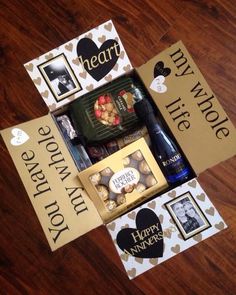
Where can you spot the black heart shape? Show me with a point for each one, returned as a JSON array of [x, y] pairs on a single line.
[[159, 69], [108, 54], [133, 240]]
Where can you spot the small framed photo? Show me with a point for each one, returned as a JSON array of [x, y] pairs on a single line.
[[59, 77], [187, 215]]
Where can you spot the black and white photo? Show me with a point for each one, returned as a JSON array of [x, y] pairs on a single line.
[[59, 77], [187, 215]]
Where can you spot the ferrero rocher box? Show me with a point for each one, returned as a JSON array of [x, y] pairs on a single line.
[[123, 180], [67, 204]]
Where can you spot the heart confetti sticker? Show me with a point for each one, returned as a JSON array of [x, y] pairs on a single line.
[[19, 137], [158, 85]]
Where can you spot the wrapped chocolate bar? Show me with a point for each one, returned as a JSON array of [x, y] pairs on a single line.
[[106, 113], [77, 151], [123, 180]]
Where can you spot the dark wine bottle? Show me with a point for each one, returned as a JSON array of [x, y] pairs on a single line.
[[165, 150]]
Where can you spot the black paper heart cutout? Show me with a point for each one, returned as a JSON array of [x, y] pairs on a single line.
[[107, 56], [160, 70], [148, 247]]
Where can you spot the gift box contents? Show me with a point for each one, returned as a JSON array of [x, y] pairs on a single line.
[[123, 180], [118, 116]]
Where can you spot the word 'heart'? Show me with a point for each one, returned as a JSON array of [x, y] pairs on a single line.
[[98, 62], [158, 85], [19, 136], [145, 241]]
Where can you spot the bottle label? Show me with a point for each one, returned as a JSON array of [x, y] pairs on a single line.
[[172, 160], [175, 168]]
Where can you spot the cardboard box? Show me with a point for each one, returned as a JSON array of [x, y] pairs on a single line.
[[190, 109]]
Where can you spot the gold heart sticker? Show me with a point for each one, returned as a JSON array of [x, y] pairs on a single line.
[[176, 249], [102, 38], [115, 68], [198, 237], [83, 75], [69, 47], [45, 94], [132, 215], [90, 87], [122, 54], [124, 256], [76, 61], [89, 35], [192, 183], [152, 205], [111, 226], [201, 197], [132, 272], [172, 194], [167, 234], [161, 218], [125, 226], [220, 225], [72, 97], [210, 211], [127, 68], [52, 107], [29, 67], [48, 56], [153, 261], [108, 78], [37, 81], [139, 260], [108, 27]]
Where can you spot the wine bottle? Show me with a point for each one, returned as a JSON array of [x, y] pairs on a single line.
[[165, 150]]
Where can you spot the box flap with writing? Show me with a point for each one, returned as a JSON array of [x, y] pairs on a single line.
[[79, 66], [50, 179], [191, 110]]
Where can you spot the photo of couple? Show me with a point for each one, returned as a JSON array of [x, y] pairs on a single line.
[[188, 216], [60, 77]]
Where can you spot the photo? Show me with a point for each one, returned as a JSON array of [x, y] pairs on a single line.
[[59, 77], [187, 215]]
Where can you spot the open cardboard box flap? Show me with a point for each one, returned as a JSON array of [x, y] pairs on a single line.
[[50, 178], [188, 105]]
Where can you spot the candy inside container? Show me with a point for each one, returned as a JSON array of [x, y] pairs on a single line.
[[114, 188], [105, 111]]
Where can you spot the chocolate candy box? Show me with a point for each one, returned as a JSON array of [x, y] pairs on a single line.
[[106, 113], [123, 180]]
